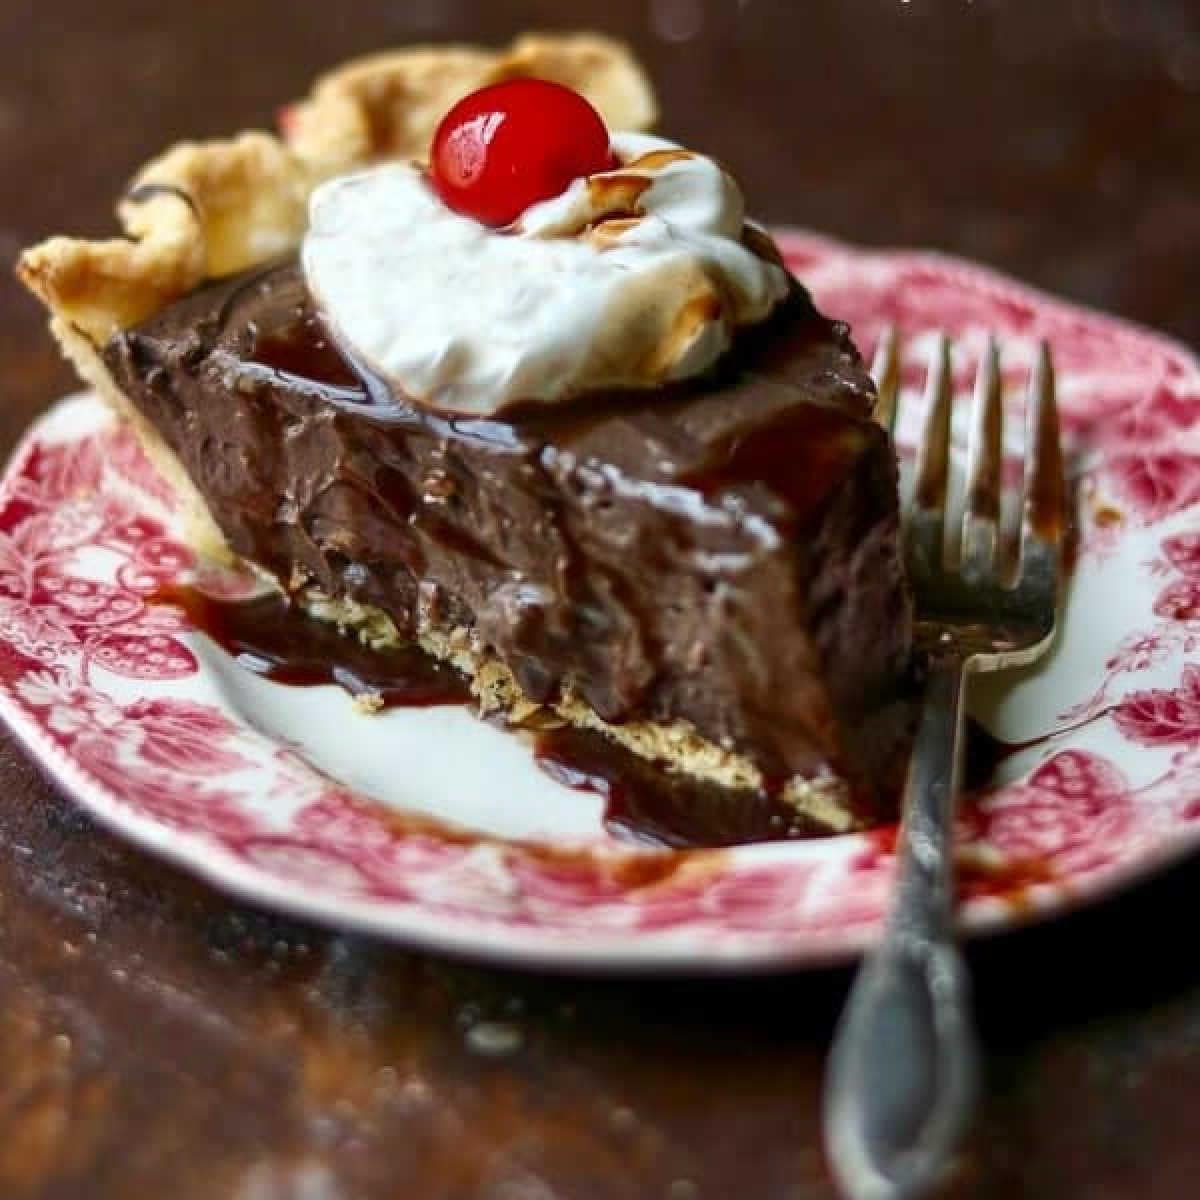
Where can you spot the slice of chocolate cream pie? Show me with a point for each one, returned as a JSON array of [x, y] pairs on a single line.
[[464, 368]]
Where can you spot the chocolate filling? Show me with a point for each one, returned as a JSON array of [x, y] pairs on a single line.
[[723, 551]]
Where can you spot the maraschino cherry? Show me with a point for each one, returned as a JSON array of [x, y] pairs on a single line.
[[509, 145]]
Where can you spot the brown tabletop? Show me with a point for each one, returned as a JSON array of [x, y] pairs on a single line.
[[159, 1039]]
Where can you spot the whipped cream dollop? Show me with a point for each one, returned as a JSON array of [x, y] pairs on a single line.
[[630, 278]]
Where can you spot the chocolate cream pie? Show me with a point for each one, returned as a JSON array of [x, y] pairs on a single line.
[[559, 416]]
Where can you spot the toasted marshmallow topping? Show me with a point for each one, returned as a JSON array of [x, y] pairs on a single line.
[[629, 279]]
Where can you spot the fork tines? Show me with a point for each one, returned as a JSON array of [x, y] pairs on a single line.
[[928, 517], [1044, 504], [981, 513], [885, 370], [1045, 484]]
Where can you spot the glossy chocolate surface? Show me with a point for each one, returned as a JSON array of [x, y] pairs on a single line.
[[723, 552], [271, 637]]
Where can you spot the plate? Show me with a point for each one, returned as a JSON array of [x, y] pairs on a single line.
[[427, 826]]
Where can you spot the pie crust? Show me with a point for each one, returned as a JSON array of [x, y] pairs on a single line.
[[207, 209]]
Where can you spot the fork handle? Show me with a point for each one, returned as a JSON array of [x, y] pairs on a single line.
[[903, 1073]]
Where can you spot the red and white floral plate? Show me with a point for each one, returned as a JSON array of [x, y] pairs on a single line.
[[435, 829]]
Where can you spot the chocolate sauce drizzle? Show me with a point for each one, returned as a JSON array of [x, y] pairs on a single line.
[[271, 637], [644, 804]]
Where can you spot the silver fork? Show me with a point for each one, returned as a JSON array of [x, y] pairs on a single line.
[[903, 1073]]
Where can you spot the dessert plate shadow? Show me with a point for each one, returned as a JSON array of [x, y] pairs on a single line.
[[429, 827]]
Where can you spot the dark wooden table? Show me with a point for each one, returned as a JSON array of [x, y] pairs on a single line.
[[158, 1039]]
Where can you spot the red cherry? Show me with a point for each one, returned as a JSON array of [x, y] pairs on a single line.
[[507, 146]]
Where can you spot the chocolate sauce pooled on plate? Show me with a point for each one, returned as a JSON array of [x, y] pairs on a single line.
[[646, 804], [271, 637]]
